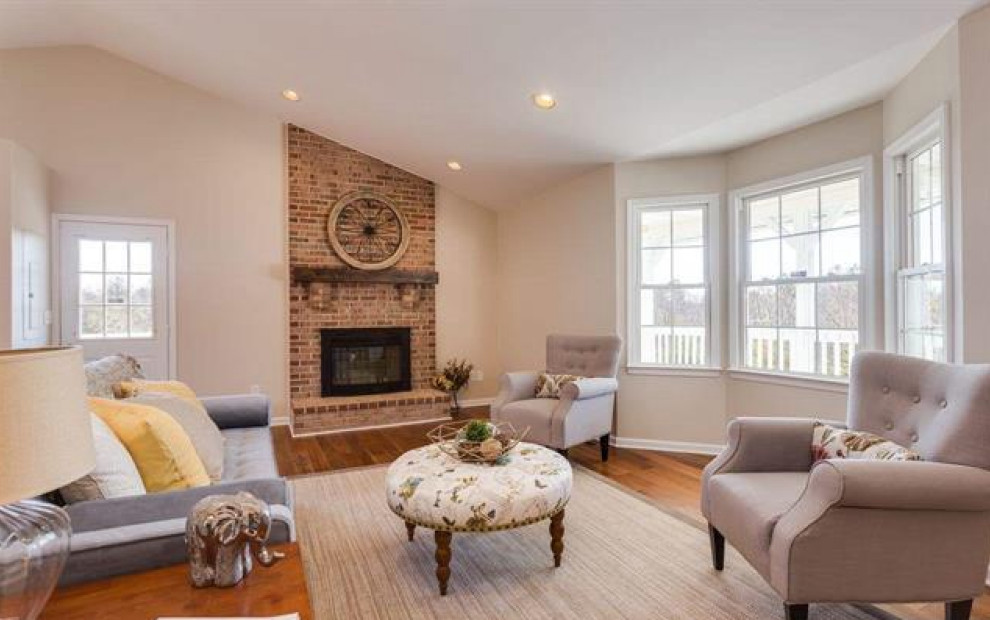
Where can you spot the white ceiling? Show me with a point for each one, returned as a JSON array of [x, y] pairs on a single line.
[[417, 83]]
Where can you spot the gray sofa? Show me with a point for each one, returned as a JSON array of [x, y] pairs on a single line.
[[129, 534]]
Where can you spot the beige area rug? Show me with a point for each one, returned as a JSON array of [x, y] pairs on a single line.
[[623, 558]]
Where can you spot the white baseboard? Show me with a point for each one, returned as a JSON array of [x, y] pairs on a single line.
[[279, 421], [478, 402], [661, 445]]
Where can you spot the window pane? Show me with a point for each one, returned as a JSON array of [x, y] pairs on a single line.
[[840, 252], [655, 228], [654, 345], [922, 172], [764, 218], [761, 348], [654, 308], [689, 265], [799, 211], [835, 351], [141, 322], [91, 322], [116, 256], [688, 307], [140, 257], [921, 238], [934, 300], [688, 346], [797, 305], [914, 301], [116, 289], [800, 256], [797, 350], [840, 204], [689, 227], [90, 288], [914, 344], [937, 173], [764, 260], [90, 255], [761, 306], [116, 321], [140, 289], [938, 215], [656, 266], [838, 305], [936, 347]]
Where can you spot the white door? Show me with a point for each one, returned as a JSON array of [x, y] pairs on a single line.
[[114, 291]]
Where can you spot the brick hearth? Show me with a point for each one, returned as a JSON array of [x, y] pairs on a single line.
[[320, 171]]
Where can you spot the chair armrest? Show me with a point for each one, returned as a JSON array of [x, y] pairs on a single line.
[[765, 444], [513, 386], [239, 411], [589, 388]]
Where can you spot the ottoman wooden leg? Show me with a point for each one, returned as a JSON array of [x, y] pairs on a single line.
[[443, 558], [410, 530], [557, 537]]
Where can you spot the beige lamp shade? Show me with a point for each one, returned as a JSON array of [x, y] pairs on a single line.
[[46, 440]]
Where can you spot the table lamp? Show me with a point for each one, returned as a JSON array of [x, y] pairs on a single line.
[[46, 442]]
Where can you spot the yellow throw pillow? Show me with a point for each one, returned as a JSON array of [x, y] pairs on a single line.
[[161, 449], [136, 387]]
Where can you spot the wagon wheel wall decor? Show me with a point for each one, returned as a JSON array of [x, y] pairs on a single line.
[[367, 231]]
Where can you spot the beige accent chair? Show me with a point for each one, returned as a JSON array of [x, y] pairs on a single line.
[[585, 408], [858, 530]]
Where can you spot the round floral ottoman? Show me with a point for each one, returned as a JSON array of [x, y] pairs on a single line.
[[432, 489]]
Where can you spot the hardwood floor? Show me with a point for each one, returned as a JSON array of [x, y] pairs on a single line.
[[671, 480]]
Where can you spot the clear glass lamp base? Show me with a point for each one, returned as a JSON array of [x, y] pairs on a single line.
[[34, 544]]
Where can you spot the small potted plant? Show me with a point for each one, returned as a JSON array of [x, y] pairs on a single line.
[[452, 379]]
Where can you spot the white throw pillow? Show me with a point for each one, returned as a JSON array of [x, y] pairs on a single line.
[[192, 417], [115, 474]]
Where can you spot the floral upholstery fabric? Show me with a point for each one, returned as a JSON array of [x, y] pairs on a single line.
[[430, 488], [548, 385], [828, 442]]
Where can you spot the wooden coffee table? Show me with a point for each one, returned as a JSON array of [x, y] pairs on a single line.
[[280, 589], [429, 488]]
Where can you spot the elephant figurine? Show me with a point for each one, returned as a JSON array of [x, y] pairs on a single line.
[[223, 532]]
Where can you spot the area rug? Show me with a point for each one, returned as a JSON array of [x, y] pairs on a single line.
[[624, 558]]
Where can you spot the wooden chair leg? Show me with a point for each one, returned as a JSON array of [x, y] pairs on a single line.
[[562, 452], [958, 610], [795, 612], [603, 441], [718, 547]]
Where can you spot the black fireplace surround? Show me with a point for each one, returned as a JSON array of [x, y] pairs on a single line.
[[373, 360]]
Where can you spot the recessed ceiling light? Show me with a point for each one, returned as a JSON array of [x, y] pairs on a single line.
[[291, 95], [544, 101], [454, 165]]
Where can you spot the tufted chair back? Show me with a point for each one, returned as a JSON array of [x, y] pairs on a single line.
[[585, 356], [942, 411]]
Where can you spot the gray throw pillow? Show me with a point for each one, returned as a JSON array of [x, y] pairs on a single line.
[[192, 417]]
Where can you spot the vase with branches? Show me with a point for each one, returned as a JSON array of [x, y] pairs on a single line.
[[452, 379]]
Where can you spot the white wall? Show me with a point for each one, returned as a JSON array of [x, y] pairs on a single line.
[[466, 255], [121, 140]]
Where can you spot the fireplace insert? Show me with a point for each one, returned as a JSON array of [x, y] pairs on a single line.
[[372, 360]]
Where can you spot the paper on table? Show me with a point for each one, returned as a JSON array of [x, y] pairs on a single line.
[[293, 616]]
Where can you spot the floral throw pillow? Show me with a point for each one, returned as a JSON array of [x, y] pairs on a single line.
[[829, 442], [548, 385]]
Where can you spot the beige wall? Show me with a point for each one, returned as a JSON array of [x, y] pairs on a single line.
[[974, 70], [6, 251], [124, 141], [556, 268], [466, 255]]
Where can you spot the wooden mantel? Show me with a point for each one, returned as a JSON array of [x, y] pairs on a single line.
[[309, 275]]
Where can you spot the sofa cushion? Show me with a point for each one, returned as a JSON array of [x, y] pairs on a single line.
[[115, 474], [103, 374], [205, 436], [745, 507], [248, 454], [535, 413], [161, 449]]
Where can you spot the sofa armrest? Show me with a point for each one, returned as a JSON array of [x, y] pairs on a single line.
[[765, 444], [239, 411], [121, 511], [513, 386], [583, 389]]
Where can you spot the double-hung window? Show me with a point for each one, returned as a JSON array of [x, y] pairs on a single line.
[[671, 303], [800, 284], [918, 242]]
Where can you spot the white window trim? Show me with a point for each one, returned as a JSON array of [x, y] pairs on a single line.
[[712, 205], [863, 166], [934, 126]]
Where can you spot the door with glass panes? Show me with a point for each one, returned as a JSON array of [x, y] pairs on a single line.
[[114, 291]]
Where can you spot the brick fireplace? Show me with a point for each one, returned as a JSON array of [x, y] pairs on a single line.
[[327, 296]]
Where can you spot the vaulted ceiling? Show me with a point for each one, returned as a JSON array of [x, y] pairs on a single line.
[[419, 83]]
